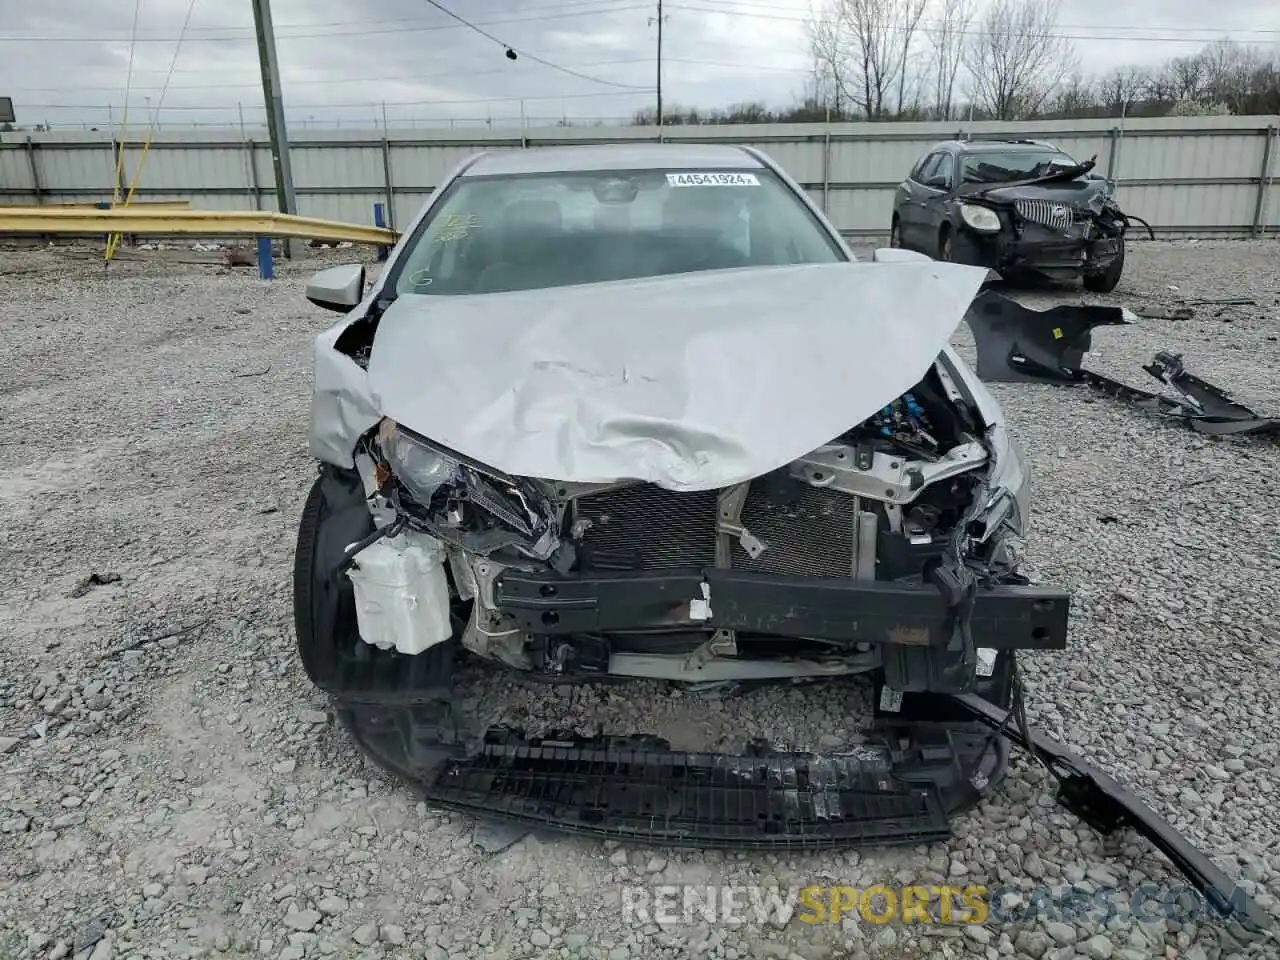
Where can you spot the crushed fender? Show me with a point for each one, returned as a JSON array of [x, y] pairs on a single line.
[[1017, 344]]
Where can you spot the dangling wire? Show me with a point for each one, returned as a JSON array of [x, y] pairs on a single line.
[[113, 242], [124, 116]]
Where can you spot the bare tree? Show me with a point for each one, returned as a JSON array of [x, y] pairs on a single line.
[[946, 38], [1122, 88], [830, 55], [1076, 96], [862, 48], [1016, 58], [1187, 77], [908, 16]]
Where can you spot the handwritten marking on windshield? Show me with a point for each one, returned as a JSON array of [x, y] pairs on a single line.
[[457, 226]]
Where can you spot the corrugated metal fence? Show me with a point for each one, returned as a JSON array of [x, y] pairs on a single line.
[[1193, 176]]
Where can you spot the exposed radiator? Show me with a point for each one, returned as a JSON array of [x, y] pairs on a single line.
[[807, 531], [1047, 213]]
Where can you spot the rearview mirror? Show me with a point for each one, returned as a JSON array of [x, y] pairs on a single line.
[[338, 288]]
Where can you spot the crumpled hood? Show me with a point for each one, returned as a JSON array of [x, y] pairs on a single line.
[[691, 382], [1078, 193]]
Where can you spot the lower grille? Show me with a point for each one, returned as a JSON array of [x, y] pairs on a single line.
[[1047, 213], [807, 531]]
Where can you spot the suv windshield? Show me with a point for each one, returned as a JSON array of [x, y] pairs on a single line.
[[1014, 165], [501, 233]]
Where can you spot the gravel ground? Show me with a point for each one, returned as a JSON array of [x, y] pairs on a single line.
[[171, 785]]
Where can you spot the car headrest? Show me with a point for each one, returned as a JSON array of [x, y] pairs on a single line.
[[544, 214]]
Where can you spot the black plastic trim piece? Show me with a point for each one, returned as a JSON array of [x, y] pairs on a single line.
[[1004, 617], [1097, 799]]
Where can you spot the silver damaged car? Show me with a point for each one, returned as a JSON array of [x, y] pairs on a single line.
[[636, 411]]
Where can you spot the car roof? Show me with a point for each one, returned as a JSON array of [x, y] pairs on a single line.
[[614, 156], [988, 146]]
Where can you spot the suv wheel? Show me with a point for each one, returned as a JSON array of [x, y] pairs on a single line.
[[946, 245], [1106, 280]]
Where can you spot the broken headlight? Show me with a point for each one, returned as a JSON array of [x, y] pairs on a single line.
[[419, 468], [1010, 484], [982, 219], [478, 509]]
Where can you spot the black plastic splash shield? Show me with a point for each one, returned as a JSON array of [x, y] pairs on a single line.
[[900, 790], [1017, 344]]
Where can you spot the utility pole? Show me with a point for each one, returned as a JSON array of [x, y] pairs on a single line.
[[659, 70], [286, 201], [659, 22]]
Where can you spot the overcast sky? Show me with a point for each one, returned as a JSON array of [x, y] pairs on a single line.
[[65, 61]]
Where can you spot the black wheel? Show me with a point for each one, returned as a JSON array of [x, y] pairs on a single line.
[[1106, 280], [895, 232], [324, 618], [946, 244]]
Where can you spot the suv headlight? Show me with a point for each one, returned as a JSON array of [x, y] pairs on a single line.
[[982, 219]]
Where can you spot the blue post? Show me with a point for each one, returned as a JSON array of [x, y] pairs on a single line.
[[105, 205], [266, 267], [380, 220]]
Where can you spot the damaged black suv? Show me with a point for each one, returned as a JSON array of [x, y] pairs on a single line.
[[1020, 207]]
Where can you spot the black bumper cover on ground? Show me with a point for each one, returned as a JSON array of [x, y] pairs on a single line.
[[902, 787]]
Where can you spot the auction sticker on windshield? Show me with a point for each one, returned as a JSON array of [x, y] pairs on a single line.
[[712, 180]]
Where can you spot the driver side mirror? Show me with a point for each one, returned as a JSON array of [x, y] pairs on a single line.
[[338, 288], [939, 182]]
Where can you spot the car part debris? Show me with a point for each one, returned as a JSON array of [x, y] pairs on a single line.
[[1106, 806], [92, 580], [1017, 344]]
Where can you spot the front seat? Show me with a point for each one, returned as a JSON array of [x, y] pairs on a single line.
[[695, 225], [528, 239]]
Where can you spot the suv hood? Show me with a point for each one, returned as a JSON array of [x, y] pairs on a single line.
[[692, 382], [1075, 192]]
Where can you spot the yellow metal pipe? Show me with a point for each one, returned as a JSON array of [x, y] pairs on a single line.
[[144, 204], [202, 223], [113, 241]]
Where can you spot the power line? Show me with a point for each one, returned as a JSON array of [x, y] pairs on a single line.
[[229, 37], [730, 12], [764, 5], [512, 52], [377, 78], [364, 105], [442, 75]]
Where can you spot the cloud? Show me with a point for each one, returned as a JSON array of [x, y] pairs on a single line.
[[66, 61]]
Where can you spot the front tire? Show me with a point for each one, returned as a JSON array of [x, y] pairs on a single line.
[[946, 244], [1106, 280]]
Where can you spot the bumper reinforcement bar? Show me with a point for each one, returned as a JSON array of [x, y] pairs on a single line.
[[1004, 617]]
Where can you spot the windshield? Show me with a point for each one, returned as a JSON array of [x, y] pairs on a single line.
[[500, 233], [1014, 165]]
